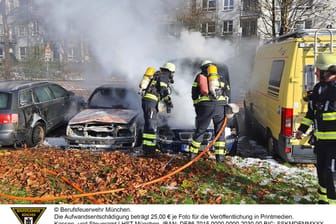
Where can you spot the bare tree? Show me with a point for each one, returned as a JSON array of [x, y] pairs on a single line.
[[279, 17], [6, 41], [192, 14]]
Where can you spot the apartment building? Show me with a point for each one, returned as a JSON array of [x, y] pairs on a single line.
[[26, 36], [218, 18], [259, 18]]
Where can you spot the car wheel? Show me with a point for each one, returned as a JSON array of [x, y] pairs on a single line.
[[36, 135]]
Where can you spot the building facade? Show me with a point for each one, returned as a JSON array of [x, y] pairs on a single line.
[[28, 37], [25, 35]]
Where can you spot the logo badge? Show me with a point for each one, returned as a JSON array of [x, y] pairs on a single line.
[[28, 215]]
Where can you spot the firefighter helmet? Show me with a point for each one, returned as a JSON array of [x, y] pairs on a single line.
[[206, 63], [169, 66], [150, 71], [324, 61]]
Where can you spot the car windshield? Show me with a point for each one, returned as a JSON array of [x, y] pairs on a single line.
[[4, 100], [115, 98]]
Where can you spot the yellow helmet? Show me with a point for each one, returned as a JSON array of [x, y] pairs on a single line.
[[169, 66], [150, 71], [324, 61], [212, 69]]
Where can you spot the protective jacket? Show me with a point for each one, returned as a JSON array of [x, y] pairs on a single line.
[[322, 115], [322, 111], [200, 91], [157, 89]]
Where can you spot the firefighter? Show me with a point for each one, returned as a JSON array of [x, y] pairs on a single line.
[[321, 115], [209, 103], [158, 90]]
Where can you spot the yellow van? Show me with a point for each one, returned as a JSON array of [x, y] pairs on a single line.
[[274, 103]]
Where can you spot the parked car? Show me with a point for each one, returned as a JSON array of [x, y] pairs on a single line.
[[113, 119], [29, 110]]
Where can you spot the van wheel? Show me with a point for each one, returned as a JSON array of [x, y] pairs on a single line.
[[36, 135], [270, 145]]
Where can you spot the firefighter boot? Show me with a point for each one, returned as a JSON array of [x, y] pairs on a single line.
[[220, 158], [192, 155], [323, 199]]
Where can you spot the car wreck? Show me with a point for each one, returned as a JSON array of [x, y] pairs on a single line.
[[113, 119]]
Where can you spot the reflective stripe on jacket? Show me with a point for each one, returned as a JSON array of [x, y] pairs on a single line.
[[322, 111], [200, 91]]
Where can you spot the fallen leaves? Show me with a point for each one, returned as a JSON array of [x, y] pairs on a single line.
[[23, 173]]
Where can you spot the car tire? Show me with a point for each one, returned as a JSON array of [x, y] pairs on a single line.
[[36, 135]]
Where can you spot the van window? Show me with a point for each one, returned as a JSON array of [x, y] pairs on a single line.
[[4, 100], [58, 91], [309, 77], [25, 97], [276, 73], [43, 94]]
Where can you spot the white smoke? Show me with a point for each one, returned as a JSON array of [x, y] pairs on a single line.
[[125, 37]]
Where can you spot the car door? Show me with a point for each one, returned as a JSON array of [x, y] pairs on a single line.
[[65, 97], [50, 109], [26, 108]]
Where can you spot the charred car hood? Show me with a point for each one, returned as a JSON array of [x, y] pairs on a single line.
[[121, 116]]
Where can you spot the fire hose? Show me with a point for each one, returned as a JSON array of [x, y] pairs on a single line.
[[132, 187]]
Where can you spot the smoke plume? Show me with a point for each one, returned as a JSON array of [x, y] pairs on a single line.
[[126, 37]]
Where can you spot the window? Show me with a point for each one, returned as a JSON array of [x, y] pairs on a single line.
[[25, 97], [36, 28], [58, 91], [4, 100], [208, 28], [308, 24], [71, 54], [249, 5], [275, 77], [228, 4], [309, 77], [22, 30], [43, 94], [227, 26], [23, 52], [209, 5], [249, 28], [193, 6]]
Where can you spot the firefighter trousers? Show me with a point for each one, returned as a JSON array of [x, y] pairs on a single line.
[[149, 137], [326, 166], [205, 113]]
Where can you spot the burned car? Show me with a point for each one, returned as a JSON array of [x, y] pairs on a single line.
[[29, 110], [113, 119]]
